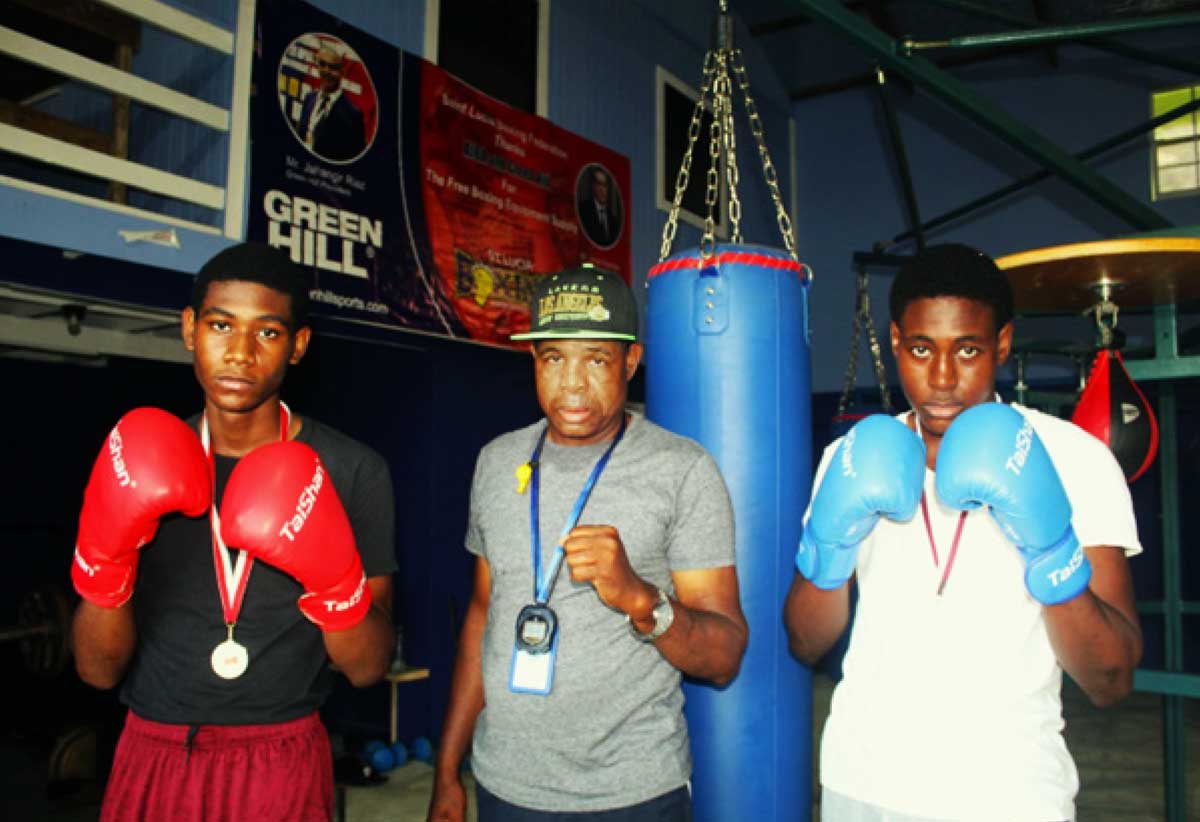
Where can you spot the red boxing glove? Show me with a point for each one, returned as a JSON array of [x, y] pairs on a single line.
[[281, 507], [152, 464]]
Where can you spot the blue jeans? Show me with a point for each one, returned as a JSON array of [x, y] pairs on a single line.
[[675, 806]]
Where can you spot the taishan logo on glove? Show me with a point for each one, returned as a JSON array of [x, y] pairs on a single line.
[[848, 455], [1021, 449], [116, 447], [339, 605], [1061, 575], [304, 505]]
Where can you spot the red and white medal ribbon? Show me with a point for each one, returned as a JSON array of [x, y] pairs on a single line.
[[962, 520], [230, 658]]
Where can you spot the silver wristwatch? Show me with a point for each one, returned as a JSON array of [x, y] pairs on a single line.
[[663, 614]]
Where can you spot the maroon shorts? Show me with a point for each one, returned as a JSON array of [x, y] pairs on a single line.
[[224, 773]]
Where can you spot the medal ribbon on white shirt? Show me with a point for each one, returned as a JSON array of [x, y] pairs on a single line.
[[962, 520], [230, 658]]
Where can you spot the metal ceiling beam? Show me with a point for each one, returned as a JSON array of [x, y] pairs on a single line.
[[956, 60], [967, 58], [1103, 44], [1054, 34], [961, 98], [1038, 176], [898, 151], [23, 333]]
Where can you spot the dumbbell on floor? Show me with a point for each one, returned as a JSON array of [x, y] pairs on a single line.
[[42, 631]]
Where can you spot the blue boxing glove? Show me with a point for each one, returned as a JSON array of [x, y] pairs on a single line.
[[877, 470], [990, 455]]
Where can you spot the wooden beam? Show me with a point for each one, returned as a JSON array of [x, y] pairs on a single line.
[[39, 122], [94, 73], [101, 20]]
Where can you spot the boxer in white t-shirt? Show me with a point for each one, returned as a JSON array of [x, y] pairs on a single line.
[[988, 543]]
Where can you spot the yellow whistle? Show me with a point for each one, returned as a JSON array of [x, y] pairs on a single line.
[[524, 472]]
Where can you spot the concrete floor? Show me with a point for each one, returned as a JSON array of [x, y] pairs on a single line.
[[404, 797], [1119, 753]]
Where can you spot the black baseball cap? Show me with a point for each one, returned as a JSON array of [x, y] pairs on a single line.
[[584, 303]]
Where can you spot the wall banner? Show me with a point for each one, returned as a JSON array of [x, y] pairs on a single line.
[[416, 200]]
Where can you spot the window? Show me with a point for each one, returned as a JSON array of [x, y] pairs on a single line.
[[498, 47], [676, 102], [1175, 160]]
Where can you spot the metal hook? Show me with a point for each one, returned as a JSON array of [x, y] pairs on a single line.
[[74, 315]]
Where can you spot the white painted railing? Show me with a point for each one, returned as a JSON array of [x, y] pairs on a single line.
[[231, 123]]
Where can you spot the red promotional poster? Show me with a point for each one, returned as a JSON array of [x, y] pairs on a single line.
[[508, 198], [413, 199]]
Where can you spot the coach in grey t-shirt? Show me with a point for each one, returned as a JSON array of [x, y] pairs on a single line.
[[647, 591]]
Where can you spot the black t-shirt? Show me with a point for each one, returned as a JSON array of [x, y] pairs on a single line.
[[179, 617]]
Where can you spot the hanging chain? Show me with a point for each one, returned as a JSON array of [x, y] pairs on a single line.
[[716, 140], [716, 94], [685, 169], [885, 396], [864, 321], [1105, 314], [756, 128], [851, 374], [723, 94]]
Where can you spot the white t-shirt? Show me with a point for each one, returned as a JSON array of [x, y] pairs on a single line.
[[950, 706]]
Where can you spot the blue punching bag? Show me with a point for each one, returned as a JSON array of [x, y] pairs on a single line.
[[727, 364]]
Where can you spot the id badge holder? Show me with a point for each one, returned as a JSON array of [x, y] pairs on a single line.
[[532, 673]]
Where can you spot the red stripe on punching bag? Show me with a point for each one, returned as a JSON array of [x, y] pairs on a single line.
[[729, 258]]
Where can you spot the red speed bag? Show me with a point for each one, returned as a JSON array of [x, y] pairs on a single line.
[[1114, 410]]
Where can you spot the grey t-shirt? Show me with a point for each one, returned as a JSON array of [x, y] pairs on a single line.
[[611, 733]]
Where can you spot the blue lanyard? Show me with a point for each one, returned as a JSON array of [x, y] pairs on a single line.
[[543, 586]]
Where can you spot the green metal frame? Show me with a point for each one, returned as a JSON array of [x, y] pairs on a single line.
[[1055, 34], [1111, 46], [1043, 174], [901, 155], [1172, 683], [961, 98], [1167, 365]]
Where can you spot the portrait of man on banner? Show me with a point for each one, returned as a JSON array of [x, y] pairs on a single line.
[[598, 200], [327, 98]]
